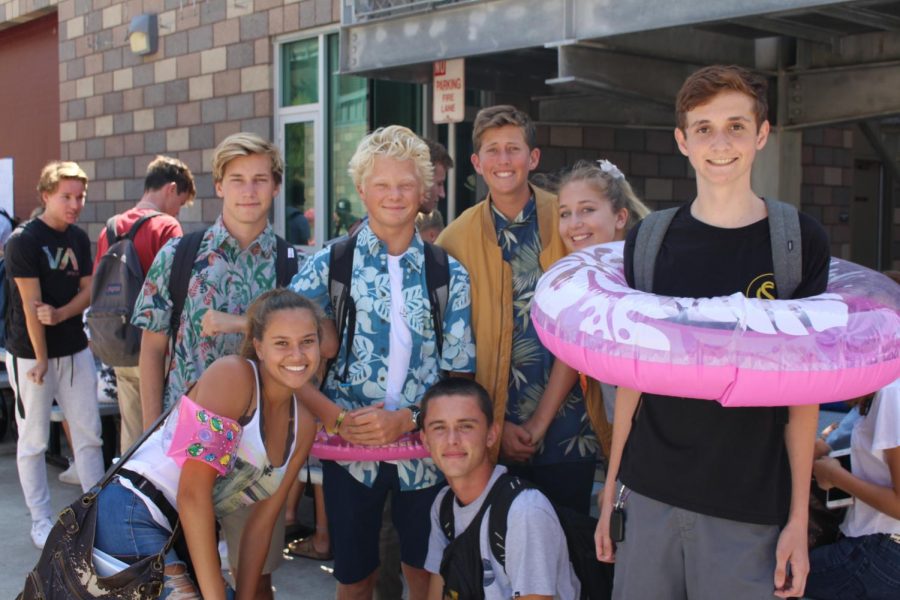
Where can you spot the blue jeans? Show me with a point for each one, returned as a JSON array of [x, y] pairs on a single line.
[[861, 567], [126, 529]]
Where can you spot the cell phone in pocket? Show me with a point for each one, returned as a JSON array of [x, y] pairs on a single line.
[[836, 497], [617, 524]]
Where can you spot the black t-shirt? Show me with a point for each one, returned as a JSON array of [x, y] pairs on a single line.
[[695, 454], [58, 259]]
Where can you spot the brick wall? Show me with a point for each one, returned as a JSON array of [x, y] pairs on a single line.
[[212, 76], [827, 187], [656, 170], [662, 177]]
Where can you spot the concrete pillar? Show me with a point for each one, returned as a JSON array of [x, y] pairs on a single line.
[[778, 170]]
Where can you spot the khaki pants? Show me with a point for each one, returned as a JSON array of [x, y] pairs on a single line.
[[128, 385]]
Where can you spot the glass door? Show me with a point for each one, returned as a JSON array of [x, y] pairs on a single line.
[[302, 184]]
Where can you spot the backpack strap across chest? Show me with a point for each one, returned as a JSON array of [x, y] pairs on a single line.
[[340, 274], [112, 237], [504, 491], [183, 268], [462, 565], [784, 232]]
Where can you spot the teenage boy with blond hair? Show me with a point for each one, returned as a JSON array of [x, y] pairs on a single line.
[[715, 499], [372, 391], [506, 242], [48, 267], [235, 262]]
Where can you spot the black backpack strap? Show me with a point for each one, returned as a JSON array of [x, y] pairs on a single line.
[[650, 236], [111, 225], [437, 280], [12, 220], [445, 515], [180, 277], [508, 488], [111, 236], [503, 486], [340, 271], [285, 262], [137, 224], [787, 252]]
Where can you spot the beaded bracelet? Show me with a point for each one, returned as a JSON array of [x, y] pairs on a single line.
[[338, 421]]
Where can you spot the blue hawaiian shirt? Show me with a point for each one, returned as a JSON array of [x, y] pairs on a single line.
[[370, 289], [570, 436]]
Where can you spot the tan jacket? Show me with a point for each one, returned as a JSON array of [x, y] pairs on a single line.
[[472, 240]]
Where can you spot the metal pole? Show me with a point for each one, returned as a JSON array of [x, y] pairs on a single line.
[[451, 177]]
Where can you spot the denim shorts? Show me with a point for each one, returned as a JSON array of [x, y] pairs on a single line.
[[125, 528], [855, 567]]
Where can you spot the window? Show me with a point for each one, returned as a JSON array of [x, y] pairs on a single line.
[[321, 117]]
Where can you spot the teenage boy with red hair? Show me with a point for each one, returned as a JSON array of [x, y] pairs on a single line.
[[715, 499]]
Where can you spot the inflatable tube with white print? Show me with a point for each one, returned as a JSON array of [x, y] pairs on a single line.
[[739, 351]]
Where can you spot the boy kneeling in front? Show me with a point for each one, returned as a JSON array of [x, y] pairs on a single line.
[[458, 427]]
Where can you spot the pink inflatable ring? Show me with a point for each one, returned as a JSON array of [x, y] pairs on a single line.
[[739, 351], [334, 447]]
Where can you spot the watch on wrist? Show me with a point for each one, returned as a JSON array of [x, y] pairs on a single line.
[[416, 417]]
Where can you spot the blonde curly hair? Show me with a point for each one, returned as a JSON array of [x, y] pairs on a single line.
[[396, 142]]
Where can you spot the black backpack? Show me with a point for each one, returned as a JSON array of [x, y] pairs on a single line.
[[183, 267], [4, 301], [116, 285], [4, 284], [461, 565], [784, 231], [340, 272], [13, 221]]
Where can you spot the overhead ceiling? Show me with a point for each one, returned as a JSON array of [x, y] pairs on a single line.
[[622, 62]]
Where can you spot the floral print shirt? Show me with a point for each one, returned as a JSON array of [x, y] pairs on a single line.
[[225, 278], [371, 292], [570, 436]]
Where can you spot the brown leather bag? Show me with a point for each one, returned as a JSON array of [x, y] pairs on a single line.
[[65, 570]]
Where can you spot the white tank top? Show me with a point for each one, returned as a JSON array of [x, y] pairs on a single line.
[[253, 477]]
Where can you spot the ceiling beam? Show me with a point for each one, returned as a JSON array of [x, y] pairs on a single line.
[[863, 16], [837, 95], [473, 28], [621, 75], [790, 29]]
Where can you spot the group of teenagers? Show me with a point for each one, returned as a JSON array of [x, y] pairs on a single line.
[[714, 500]]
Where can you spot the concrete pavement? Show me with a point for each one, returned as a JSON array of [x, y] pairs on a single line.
[[300, 579]]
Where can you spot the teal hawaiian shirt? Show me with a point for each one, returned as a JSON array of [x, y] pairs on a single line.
[[370, 289], [225, 278], [570, 436]]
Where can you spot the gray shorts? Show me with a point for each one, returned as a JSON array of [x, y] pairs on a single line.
[[677, 554], [233, 526]]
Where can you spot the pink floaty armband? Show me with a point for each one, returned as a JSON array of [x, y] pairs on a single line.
[[200, 434], [740, 351], [334, 447]]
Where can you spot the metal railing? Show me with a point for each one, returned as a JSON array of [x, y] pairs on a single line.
[[360, 11]]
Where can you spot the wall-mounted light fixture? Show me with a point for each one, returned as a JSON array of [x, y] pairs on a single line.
[[143, 34]]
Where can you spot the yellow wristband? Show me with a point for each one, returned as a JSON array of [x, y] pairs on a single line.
[[338, 421]]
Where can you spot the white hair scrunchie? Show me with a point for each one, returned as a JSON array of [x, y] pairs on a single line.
[[608, 167]]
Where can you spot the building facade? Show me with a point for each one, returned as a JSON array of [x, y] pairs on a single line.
[[315, 75]]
